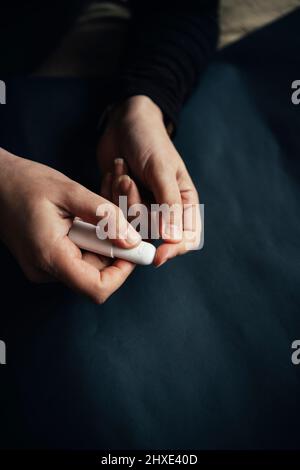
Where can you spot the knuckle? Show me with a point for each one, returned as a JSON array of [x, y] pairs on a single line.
[[99, 298], [73, 189], [99, 293], [166, 170]]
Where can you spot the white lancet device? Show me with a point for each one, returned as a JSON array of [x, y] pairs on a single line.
[[84, 235]]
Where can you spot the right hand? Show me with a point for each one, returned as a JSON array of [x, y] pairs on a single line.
[[37, 207]]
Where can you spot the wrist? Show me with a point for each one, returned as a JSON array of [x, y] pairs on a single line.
[[134, 108], [142, 104]]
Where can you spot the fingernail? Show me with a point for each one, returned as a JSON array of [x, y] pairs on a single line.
[[161, 263], [133, 237], [173, 231], [124, 183], [119, 161]]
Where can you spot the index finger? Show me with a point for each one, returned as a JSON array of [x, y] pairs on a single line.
[[70, 268], [192, 229]]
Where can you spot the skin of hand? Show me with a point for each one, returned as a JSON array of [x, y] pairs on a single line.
[[37, 207], [118, 183], [136, 131]]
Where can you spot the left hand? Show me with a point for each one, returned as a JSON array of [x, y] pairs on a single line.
[[136, 132]]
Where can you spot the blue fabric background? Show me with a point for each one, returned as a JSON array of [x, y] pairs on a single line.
[[196, 354]]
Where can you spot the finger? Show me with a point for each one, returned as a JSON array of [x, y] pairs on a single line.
[[128, 187], [98, 261], [70, 268], [167, 251], [125, 186], [106, 186], [113, 276], [120, 167], [136, 212], [167, 193], [117, 187], [192, 230], [192, 222], [188, 192], [93, 208]]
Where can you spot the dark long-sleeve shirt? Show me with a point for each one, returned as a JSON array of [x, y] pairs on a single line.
[[170, 44]]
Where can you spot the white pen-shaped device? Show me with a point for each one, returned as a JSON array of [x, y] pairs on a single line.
[[84, 235]]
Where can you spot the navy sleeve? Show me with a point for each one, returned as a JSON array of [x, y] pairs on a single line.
[[170, 43]]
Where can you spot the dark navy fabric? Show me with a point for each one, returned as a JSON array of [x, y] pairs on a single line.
[[196, 354]]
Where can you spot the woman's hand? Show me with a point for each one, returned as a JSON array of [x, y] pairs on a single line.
[[136, 131], [37, 207]]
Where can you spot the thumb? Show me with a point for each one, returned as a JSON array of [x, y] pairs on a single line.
[[95, 209], [167, 194]]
